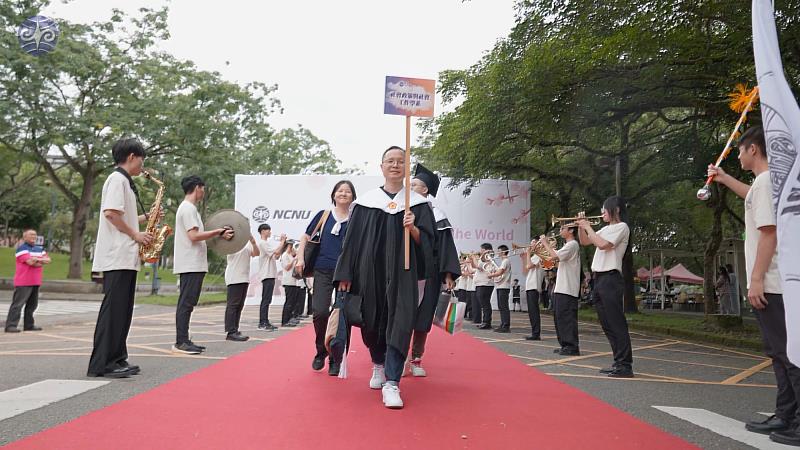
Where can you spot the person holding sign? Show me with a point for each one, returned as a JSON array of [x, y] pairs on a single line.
[[372, 266]]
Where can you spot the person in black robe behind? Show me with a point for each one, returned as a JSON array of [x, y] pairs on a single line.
[[371, 265], [426, 183]]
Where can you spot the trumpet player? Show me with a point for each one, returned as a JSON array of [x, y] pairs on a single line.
[[117, 256], [567, 290], [483, 286], [502, 279], [473, 306], [611, 242], [532, 268], [269, 253]]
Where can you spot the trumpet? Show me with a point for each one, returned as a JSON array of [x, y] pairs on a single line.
[[571, 222]]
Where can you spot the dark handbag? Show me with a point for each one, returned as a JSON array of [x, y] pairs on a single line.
[[311, 251], [352, 308]]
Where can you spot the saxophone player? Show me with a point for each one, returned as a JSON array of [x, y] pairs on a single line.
[[116, 255]]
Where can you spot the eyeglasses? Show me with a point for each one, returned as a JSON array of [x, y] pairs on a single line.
[[394, 162]]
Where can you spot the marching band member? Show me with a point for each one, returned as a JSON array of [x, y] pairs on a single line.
[[532, 268], [611, 242], [267, 271], [290, 289], [237, 279], [567, 290], [502, 279], [483, 286]]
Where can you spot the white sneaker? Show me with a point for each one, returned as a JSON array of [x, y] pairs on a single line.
[[391, 396], [417, 370], [407, 368], [378, 377]]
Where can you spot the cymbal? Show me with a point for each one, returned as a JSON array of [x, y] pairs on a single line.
[[236, 221]]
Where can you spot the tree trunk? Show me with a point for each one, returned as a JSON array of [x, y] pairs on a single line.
[[712, 247], [80, 214]]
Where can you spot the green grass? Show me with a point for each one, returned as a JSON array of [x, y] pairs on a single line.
[[58, 269], [693, 328], [211, 298]]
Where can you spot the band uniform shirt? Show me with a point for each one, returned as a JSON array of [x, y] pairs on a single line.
[[568, 276], [469, 284], [286, 278], [26, 275], [189, 256], [504, 280], [238, 269], [460, 283], [267, 264], [605, 260], [116, 250], [330, 245], [481, 277], [759, 211], [533, 281]]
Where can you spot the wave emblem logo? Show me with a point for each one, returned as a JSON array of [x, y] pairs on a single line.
[[38, 35], [261, 214]]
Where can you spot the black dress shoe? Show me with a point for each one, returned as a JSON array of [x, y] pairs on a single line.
[[237, 337], [533, 338], [608, 370], [318, 363], [12, 330], [502, 330], [288, 324], [33, 328], [768, 425], [119, 372], [133, 368], [333, 369], [621, 372], [485, 326], [556, 350], [790, 436], [566, 352]]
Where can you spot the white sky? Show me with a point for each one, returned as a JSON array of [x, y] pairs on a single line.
[[329, 58]]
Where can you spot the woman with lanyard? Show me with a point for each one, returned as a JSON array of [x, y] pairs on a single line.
[[611, 242], [331, 235]]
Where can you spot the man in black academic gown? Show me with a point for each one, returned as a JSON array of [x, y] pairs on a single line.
[[371, 265], [426, 183]]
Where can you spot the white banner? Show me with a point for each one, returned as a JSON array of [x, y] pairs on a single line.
[[781, 117], [497, 212]]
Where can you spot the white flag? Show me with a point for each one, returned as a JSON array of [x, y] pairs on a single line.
[[781, 117]]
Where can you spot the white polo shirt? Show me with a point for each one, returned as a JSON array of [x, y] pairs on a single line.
[[504, 280], [238, 268], [568, 276], [481, 277], [286, 278], [533, 281], [605, 260], [759, 211], [189, 256], [267, 264], [114, 249], [469, 284]]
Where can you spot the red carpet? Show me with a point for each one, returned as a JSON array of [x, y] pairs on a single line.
[[475, 397]]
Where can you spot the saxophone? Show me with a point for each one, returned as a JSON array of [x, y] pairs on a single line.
[[152, 253]]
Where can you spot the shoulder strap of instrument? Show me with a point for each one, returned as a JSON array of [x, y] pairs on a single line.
[[133, 187]]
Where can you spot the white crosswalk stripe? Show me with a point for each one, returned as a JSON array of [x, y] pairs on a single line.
[[722, 425], [25, 398], [61, 307]]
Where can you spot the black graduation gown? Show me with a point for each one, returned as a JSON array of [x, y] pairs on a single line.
[[373, 258], [446, 262]]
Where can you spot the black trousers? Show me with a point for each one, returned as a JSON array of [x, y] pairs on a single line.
[[772, 321], [237, 293], [565, 312], [484, 295], [472, 299], [502, 305], [113, 321], [532, 298], [608, 302], [27, 296], [267, 288], [191, 284], [300, 301], [321, 307], [289, 304]]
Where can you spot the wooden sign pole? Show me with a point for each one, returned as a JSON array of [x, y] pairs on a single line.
[[407, 234]]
